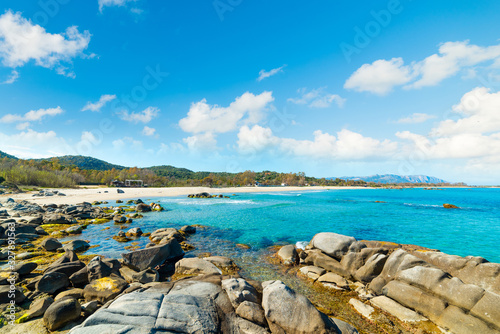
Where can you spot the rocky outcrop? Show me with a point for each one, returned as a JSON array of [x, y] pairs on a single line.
[[61, 312], [153, 256]]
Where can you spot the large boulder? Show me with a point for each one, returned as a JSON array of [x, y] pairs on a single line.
[[371, 269], [252, 312], [25, 268], [51, 244], [145, 276], [52, 282], [61, 312], [77, 246], [238, 290], [6, 295], [104, 289], [67, 268], [288, 255], [320, 259], [196, 266], [333, 244], [292, 313], [153, 256], [165, 234], [142, 207], [38, 307], [98, 268], [57, 218]]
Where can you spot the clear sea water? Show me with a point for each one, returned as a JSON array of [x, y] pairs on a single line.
[[410, 216]]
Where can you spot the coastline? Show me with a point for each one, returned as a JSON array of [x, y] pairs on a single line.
[[90, 194]]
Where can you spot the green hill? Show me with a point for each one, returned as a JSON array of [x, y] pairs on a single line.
[[171, 171], [86, 163], [5, 155]]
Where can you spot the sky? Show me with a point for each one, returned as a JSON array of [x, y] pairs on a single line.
[[329, 88]]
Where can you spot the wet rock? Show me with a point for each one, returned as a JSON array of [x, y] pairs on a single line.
[[189, 229], [134, 232], [57, 218], [74, 229], [142, 207], [25, 268], [61, 312], [450, 206], [119, 219]]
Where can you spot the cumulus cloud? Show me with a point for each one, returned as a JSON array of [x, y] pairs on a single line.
[[147, 131], [415, 118], [22, 41], [263, 74], [144, 116], [381, 76], [475, 135], [32, 144], [127, 142], [317, 98], [346, 145], [96, 106], [31, 116]]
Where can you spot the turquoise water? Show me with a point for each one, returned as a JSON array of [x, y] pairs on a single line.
[[411, 216]]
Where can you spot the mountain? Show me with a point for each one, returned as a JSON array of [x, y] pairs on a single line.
[[393, 178], [5, 155], [84, 162]]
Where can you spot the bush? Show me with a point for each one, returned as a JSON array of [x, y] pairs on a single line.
[[1, 180]]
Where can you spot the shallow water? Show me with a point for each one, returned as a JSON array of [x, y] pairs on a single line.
[[412, 216]]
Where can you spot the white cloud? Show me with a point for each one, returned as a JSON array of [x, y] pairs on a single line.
[[347, 145], [144, 116], [382, 76], [415, 118], [476, 135], [147, 131], [31, 144], [317, 98], [14, 75], [201, 142], [113, 3], [22, 126], [379, 77], [96, 106], [22, 41], [31, 116], [263, 74], [203, 117]]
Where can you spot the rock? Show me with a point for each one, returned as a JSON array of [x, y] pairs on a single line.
[[80, 278], [77, 246], [52, 282], [38, 307], [74, 229], [6, 294], [371, 269], [331, 278], [98, 268], [288, 255], [312, 272], [119, 219], [196, 266], [450, 206], [67, 268], [333, 244], [163, 234], [25, 268], [68, 256], [120, 191], [238, 290], [57, 218], [457, 321], [487, 308], [134, 232], [396, 309], [220, 261], [364, 309], [188, 229], [142, 207], [292, 313], [40, 231], [246, 327], [252, 312], [153, 256], [145, 276], [104, 289], [343, 327], [73, 293], [319, 259], [61, 312], [51, 244], [90, 307]]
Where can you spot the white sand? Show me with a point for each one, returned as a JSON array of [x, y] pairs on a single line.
[[90, 194]]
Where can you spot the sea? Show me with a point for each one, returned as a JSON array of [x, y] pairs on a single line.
[[260, 220]]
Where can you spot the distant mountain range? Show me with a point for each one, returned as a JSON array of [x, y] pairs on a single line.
[[393, 178], [87, 163], [5, 155]]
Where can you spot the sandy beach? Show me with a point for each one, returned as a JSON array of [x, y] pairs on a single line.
[[90, 194]]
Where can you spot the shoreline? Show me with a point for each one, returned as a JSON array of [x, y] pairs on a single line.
[[90, 194]]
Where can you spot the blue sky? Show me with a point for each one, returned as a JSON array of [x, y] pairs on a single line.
[[332, 88]]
